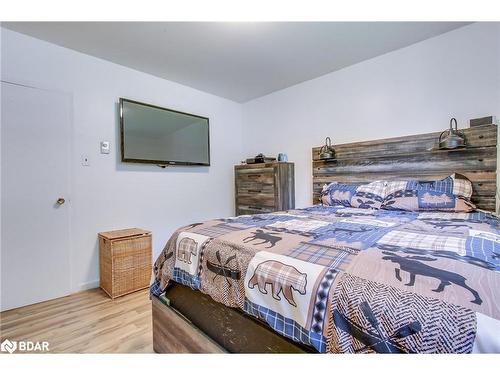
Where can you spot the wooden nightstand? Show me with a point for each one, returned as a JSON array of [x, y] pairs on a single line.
[[125, 261]]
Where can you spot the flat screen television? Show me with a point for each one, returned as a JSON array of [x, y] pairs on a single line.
[[156, 135]]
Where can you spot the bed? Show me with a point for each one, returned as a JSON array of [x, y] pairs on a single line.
[[337, 279]]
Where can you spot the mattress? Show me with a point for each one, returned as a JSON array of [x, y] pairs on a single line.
[[350, 280]]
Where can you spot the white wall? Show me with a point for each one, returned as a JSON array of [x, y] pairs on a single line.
[[109, 194], [409, 91]]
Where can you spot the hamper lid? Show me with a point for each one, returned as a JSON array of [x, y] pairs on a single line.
[[123, 233]]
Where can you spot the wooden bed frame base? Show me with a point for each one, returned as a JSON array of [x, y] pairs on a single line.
[[173, 333], [188, 321]]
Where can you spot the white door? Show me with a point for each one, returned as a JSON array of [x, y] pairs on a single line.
[[35, 150]]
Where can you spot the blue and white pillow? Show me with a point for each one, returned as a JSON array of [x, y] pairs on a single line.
[[337, 194], [350, 195], [452, 193]]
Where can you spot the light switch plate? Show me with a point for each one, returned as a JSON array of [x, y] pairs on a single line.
[[105, 145], [85, 160]]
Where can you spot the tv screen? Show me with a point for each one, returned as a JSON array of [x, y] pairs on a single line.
[[151, 134]]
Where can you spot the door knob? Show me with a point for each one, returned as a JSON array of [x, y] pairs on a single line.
[[60, 201]]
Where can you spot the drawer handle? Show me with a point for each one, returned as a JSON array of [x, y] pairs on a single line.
[[253, 175], [255, 208], [254, 191]]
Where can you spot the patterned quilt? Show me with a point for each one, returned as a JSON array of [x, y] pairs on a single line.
[[351, 280]]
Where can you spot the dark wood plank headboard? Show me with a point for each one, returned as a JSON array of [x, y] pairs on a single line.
[[415, 157]]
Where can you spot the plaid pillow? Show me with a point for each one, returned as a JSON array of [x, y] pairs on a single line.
[[462, 187], [449, 194], [370, 195]]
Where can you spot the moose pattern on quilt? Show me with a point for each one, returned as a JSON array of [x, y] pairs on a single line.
[[351, 279]]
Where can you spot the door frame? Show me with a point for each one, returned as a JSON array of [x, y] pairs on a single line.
[[70, 170]]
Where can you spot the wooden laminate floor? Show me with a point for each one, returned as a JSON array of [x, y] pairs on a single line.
[[85, 322]]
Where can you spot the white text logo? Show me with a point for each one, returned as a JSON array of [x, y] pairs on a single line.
[[24, 346]]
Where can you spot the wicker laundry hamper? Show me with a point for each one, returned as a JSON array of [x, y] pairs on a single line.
[[125, 261]]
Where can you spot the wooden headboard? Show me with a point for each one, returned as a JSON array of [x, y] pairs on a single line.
[[417, 157]]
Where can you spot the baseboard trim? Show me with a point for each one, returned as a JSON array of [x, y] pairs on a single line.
[[88, 285]]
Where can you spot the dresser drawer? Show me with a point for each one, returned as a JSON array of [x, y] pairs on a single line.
[[252, 210], [255, 181], [248, 170], [265, 200], [264, 178], [254, 187]]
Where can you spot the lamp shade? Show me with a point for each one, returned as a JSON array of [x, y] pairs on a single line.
[[452, 138], [327, 151]]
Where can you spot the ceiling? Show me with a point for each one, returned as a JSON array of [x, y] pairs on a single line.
[[235, 60]]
